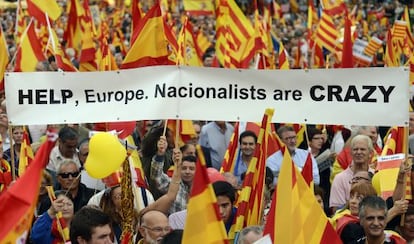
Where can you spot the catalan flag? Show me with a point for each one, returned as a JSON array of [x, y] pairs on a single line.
[[151, 45], [4, 58], [295, 216], [87, 59], [235, 40], [26, 153], [391, 58], [399, 30], [30, 51], [22, 195], [231, 155], [327, 35], [250, 201], [73, 32], [333, 7], [203, 221], [373, 45], [283, 57], [39, 9]]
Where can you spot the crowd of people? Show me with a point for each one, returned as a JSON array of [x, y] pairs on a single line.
[[343, 161]]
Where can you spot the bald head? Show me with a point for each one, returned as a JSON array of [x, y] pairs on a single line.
[[153, 226]]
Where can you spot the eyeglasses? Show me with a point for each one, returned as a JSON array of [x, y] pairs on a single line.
[[165, 229], [66, 175], [357, 179]]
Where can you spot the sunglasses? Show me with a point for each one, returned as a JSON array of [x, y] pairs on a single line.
[[66, 175]]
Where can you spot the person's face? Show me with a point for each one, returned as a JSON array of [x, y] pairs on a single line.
[[68, 176], [360, 152], [116, 196], [289, 138], [190, 151], [225, 207], [154, 228], [83, 152], [247, 145], [67, 209], [101, 235], [320, 201], [188, 171], [372, 133], [68, 147], [354, 201], [18, 135], [316, 142], [373, 222], [4, 120], [407, 230]]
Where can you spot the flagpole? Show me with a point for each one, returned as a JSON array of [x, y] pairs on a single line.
[[165, 127], [177, 132], [12, 163]]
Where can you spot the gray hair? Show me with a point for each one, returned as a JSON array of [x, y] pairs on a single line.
[[362, 138], [374, 202], [246, 230], [66, 162]]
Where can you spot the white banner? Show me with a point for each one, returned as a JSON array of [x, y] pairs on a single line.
[[364, 96]]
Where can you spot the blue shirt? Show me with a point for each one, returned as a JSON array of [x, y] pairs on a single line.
[[299, 157]]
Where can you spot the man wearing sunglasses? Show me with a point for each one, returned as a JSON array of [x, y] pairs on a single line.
[[68, 176]]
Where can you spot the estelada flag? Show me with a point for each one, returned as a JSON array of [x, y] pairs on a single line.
[[19, 201]]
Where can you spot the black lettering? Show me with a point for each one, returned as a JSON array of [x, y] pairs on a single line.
[[386, 93], [172, 92], [52, 97], [28, 96], [41, 94], [261, 94], [66, 94], [90, 96], [182, 92], [334, 91], [370, 90], [278, 95], [297, 95], [352, 93], [160, 90], [313, 93], [244, 93]]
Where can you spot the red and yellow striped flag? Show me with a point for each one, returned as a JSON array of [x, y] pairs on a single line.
[[4, 58], [22, 195], [230, 157], [203, 221], [399, 30], [87, 58], [373, 45], [62, 61], [283, 57], [307, 171], [327, 35], [250, 201], [26, 153], [295, 216], [61, 223]]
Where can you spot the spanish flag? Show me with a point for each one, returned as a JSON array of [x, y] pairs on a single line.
[[203, 222], [4, 58], [295, 216], [19, 201]]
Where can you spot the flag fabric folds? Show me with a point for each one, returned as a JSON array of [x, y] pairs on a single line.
[[327, 34], [203, 223], [151, 45], [39, 9], [295, 211], [22, 195], [250, 201], [30, 51], [4, 58], [26, 153]]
